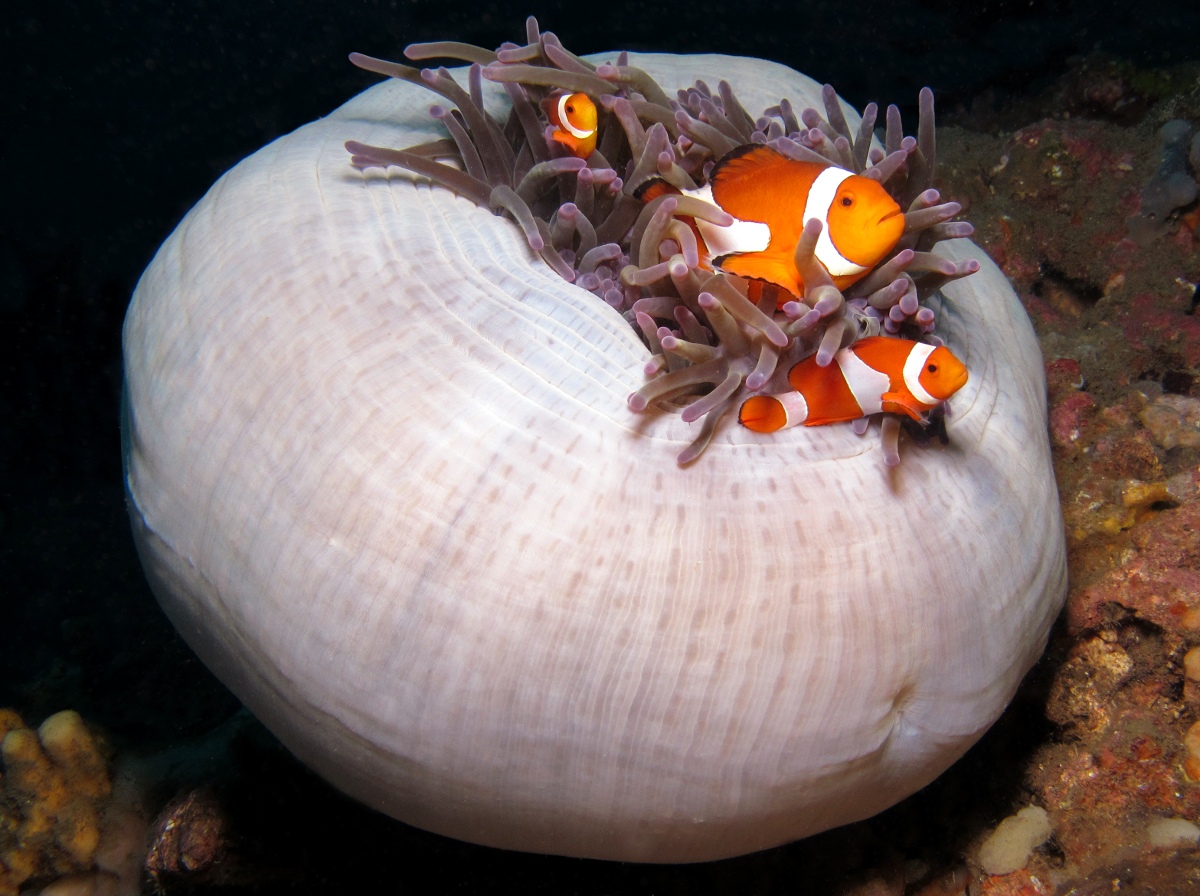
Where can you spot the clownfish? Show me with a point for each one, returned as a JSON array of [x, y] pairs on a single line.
[[574, 118], [879, 373], [771, 197]]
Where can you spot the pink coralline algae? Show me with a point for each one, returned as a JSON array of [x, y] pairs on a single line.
[[1158, 580], [1159, 324]]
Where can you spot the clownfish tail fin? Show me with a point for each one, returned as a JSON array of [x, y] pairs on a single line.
[[770, 413], [762, 413], [653, 187]]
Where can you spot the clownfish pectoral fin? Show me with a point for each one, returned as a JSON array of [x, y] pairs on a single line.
[[762, 413], [763, 266], [580, 149], [899, 403]]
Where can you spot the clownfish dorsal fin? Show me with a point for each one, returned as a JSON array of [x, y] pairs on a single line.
[[654, 187], [745, 160], [756, 183]]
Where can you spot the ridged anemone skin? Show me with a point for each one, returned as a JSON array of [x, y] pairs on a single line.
[[383, 478]]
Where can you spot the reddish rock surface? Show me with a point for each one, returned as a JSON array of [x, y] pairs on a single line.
[[1113, 309]]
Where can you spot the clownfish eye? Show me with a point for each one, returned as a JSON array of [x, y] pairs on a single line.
[[570, 107], [847, 201], [932, 368]]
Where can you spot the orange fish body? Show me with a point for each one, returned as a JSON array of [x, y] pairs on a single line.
[[877, 374], [574, 118], [771, 197]]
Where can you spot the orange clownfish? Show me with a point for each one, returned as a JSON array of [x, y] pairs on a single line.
[[574, 117], [771, 197], [876, 374]]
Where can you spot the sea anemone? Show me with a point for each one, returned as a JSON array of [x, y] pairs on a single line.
[[712, 337], [384, 478]]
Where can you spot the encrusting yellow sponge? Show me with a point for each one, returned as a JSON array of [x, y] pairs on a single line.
[[73, 750], [55, 781]]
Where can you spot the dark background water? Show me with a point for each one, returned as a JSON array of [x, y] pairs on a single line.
[[117, 117]]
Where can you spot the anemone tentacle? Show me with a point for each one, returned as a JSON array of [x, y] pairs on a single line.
[[585, 222]]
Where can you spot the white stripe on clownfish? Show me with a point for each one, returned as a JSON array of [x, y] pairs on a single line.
[[740, 236], [913, 366], [875, 374], [795, 408], [820, 197], [573, 122], [771, 197], [866, 384], [752, 236], [564, 119]]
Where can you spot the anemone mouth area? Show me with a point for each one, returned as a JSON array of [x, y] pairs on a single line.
[[715, 339]]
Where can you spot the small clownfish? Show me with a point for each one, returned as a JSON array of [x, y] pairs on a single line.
[[879, 373], [574, 117], [771, 197]]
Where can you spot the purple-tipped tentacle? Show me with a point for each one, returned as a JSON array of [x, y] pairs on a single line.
[[747, 312], [542, 175], [466, 147], [693, 352], [506, 198], [363, 156], [862, 142], [541, 76], [768, 357], [734, 110], [690, 325], [704, 134], [633, 77], [562, 57], [724, 324], [449, 49], [714, 399], [710, 345]]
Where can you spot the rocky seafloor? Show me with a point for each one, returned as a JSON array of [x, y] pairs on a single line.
[[1103, 739]]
